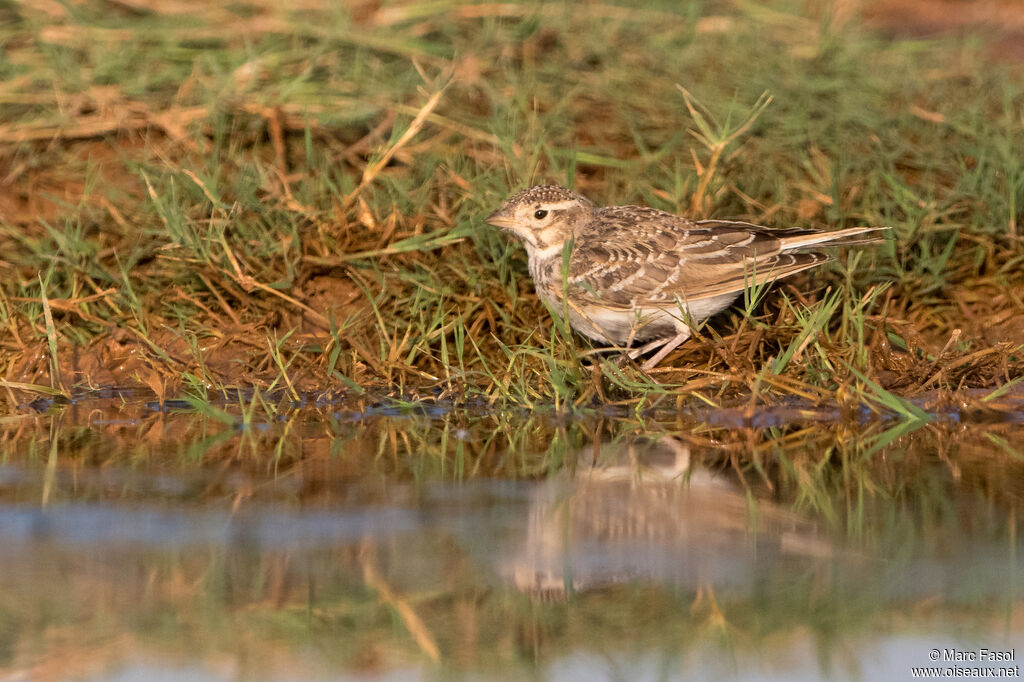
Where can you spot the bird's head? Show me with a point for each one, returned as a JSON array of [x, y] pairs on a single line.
[[543, 217]]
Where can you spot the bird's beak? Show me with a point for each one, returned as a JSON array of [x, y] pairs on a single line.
[[499, 219]]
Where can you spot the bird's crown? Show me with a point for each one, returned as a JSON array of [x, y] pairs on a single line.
[[544, 194]]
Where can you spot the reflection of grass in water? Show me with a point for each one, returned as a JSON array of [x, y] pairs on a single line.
[[828, 468], [296, 201], [880, 497], [266, 610]]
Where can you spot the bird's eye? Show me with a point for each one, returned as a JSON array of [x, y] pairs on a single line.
[[540, 214]]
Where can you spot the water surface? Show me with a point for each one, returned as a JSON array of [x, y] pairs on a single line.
[[147, 543]]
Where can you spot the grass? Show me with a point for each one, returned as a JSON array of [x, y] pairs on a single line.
[[294, 203], [197, 199]]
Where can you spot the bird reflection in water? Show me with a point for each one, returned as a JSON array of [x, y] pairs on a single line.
[[642, 511]]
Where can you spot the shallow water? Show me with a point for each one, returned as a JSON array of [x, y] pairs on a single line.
[[140, 543]]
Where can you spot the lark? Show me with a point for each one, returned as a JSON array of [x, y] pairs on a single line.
[[640, 275]]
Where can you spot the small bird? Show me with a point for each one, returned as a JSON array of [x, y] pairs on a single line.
[[638, 274]]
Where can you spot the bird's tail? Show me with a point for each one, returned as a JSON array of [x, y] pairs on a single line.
[[834, 238]]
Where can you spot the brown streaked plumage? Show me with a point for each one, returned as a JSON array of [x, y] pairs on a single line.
[[633, 270]]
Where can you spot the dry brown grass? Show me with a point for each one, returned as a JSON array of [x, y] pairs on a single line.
[[290, 199]]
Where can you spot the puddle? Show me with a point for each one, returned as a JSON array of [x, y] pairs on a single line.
[[147, 544]]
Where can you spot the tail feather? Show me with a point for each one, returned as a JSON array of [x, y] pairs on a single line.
[[834, 238]]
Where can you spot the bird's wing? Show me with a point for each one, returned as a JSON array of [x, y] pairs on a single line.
[[635, 256]]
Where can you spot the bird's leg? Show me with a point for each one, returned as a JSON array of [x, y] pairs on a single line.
[[634, 353], [667, 348]]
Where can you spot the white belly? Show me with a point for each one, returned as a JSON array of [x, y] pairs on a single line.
[[644, 324]]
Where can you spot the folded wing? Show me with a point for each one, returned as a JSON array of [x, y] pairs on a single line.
[[645, 257]]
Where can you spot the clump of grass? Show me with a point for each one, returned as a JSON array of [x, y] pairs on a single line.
[[295, 203]]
